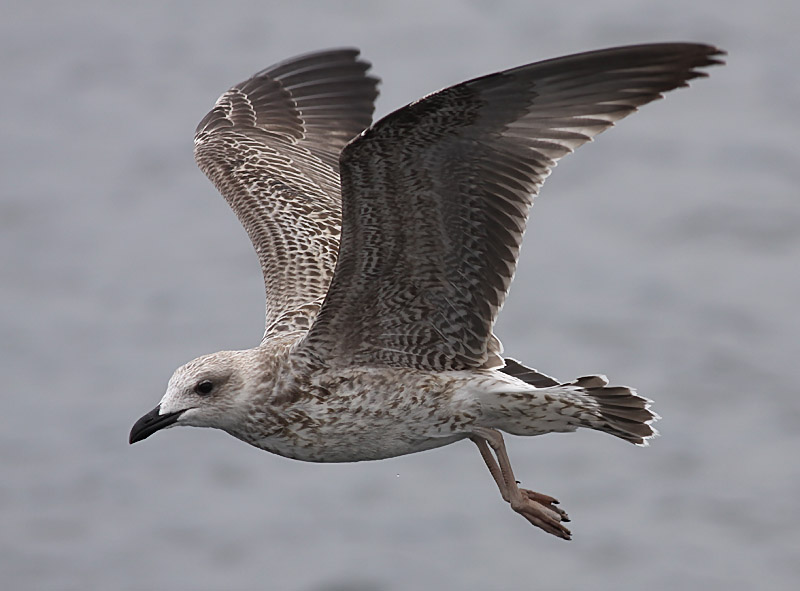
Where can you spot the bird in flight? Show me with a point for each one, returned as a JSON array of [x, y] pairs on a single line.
[[387, 251]]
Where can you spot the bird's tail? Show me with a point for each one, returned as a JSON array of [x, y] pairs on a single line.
[[621, 411], [617, 410]]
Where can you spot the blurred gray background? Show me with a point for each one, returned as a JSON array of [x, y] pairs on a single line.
[[664, 255]]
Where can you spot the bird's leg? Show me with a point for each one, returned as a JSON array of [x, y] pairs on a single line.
[[540, 510]]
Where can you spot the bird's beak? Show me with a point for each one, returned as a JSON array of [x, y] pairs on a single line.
[[152, 422]]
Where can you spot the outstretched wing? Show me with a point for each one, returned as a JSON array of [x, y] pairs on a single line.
[[271, 145], [436, 197]]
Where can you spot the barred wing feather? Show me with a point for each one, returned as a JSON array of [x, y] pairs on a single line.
[[436, 197]]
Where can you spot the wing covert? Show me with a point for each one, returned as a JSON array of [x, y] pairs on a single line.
[[436, 197], [271, 146]]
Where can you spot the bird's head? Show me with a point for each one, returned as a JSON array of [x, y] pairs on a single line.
[[210, 391]]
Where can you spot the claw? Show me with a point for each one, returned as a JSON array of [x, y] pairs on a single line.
[[540, 510]]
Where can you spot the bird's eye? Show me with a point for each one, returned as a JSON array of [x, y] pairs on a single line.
[[204, 387]]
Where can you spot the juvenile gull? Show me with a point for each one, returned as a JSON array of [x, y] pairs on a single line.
[[387, 252]]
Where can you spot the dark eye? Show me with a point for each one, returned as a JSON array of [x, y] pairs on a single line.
[[204, 387]]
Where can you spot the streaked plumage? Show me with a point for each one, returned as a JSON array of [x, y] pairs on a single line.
[[382, 345], [271, 145]]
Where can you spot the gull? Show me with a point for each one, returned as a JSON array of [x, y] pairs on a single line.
[[388, 250]]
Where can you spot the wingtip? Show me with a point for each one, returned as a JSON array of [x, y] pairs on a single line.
[[709, 55]]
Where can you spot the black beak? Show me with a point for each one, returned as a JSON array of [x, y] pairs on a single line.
[[152, 422]]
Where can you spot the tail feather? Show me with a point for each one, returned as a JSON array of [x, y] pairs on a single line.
[[618, 410], [591, 382], [622, 411]]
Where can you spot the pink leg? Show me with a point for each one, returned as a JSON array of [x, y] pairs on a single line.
[[540, 510]]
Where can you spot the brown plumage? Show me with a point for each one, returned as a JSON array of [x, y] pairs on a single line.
[[271, 145], [383, 345]]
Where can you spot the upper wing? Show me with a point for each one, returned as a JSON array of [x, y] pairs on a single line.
[[271, 145], [436, 198]]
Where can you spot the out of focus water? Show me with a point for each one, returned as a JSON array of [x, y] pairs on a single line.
[[665, 255]]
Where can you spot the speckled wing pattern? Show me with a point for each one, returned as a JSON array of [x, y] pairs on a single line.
[[436, 198], [271, 145]]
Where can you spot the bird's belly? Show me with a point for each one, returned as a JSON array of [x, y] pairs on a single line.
[[375, 414], [356, 449]]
